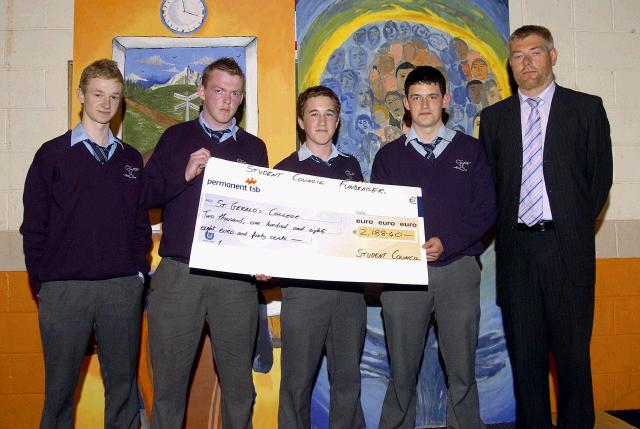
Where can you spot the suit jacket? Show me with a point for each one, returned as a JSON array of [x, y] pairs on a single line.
[[577, 166]]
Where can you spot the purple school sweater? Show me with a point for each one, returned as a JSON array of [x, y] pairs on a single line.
[[342, 167], [458, 193], [164, 184], [83, 220]]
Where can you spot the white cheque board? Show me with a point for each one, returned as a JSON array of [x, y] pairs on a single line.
[[254, 220]]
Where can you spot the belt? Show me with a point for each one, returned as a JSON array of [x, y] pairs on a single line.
[[541, 226]]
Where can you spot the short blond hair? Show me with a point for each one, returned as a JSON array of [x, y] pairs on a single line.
[[103, 69]]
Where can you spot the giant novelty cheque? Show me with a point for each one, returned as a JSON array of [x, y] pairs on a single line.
[[254, 220]]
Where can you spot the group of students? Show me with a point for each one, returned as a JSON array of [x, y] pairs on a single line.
[[86, 237]]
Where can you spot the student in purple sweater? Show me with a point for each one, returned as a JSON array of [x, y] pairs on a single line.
[[85, 242], [459, 207], [321, 315], [181, 300]]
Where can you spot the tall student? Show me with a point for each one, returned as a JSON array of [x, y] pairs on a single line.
[[85, 242], [181, 300], [318, 315], [458, 195]]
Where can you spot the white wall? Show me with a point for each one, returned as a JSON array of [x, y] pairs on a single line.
[[599, 52]]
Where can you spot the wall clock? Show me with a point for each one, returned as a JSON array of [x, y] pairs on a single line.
[[183, 16]]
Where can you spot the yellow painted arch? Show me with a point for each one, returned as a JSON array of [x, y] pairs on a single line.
[[340, 35]]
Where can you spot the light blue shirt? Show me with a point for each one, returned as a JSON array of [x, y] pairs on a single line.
[[232, 130], [544, 107], [305, 153], [78, 135], [445, 134]]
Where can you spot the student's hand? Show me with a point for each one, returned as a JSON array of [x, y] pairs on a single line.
[[262, 277], [197, 161], [434, 249]]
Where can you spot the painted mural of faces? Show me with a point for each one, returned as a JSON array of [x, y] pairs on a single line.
[[365, 98], [405, 30], [402, 72], [420, 31], [364, 124], [390, 31], [474, 91], [348, 81], [479, 69], [348, 103], [373, 36], [336, 62], [360, 36], [357, 57], [393, 101], [461, 47], [456, 114], [391, 133], [492, 92]]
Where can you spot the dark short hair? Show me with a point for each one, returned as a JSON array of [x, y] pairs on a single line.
[[225, 64], [316, 91], [405, 65], [474, 82], [103, 69], [426, 75], [528, 30]]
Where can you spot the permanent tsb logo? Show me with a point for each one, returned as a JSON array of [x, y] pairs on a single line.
[[248, 186]]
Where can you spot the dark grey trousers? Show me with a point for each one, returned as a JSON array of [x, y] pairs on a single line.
[[453, 295], [69, 312], [179, 304], [312, 320]]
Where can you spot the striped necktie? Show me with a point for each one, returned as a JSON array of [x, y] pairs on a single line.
[[319, 160], [530, 210], [100, 153], [216, 135], [429, 148]]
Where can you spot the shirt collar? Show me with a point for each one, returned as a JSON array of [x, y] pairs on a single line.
[[78, 134], [444, 133], [233, 127], [545, 96], [305, 153]]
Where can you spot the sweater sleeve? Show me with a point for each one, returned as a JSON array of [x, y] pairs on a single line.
[[482, 210], [163, 176], [37, 203]]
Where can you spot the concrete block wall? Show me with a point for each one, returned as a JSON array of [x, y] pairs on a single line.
[[36, 41], [598, 44]]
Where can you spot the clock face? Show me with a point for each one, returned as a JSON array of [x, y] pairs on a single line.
[[183, 16]]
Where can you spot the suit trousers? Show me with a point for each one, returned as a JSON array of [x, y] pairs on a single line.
[[69, 311], [453, 295], [543, 310], [312, 320], [179, 303]]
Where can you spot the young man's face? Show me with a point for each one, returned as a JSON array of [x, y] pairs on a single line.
[[425, 103], [319, 121], [100, 100], [532, 63], [221, 98], [394, 105]]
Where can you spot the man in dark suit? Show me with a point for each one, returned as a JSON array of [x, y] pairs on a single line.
[[550, 150]]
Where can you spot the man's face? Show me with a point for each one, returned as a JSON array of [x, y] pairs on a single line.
[[319, 120], [221, 98], [425, 103], [373, 35], [336, 61], [358, 57], [364, 96], [100, 100], [401, 77], [394, 104], [493, 94], [462, 49], [475, 93], [532, 63]]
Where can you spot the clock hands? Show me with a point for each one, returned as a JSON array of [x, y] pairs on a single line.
[[185, 10]]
